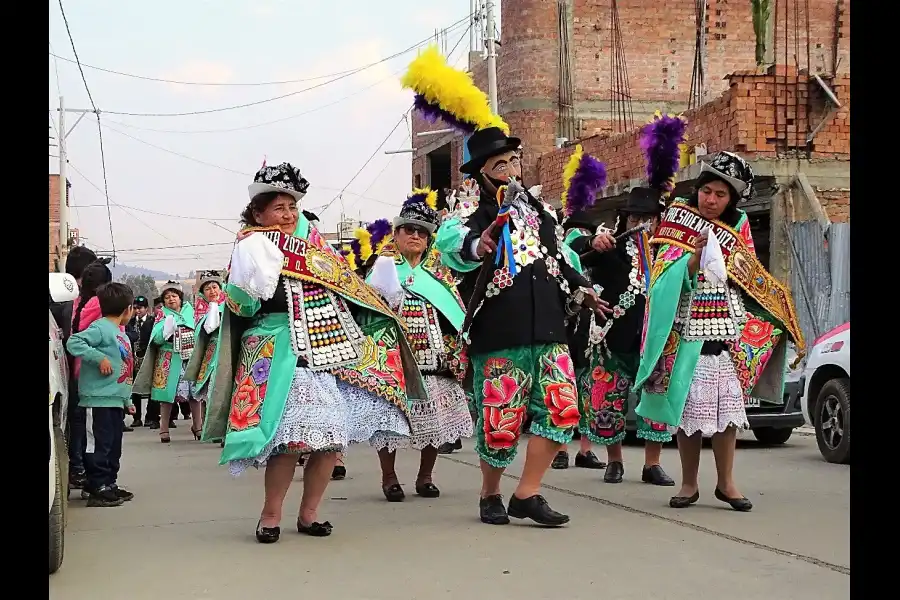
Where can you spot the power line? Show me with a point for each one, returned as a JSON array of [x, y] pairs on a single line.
[[274, 98], [112, 239], [263, 124], [177, 246], [237, 84], [368, 160], [158, 214]]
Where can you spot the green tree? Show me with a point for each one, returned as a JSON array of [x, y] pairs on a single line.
[[141, 285]]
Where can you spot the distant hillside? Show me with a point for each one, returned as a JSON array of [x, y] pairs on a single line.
[[122, 269]]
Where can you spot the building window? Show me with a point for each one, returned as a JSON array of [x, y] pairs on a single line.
[[418, 181]]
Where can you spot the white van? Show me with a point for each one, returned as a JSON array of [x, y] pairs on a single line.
[[63, 288]]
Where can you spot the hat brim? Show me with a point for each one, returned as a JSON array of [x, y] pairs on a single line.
[[401, 221], [738, 185], [474, 165], [255, 189]]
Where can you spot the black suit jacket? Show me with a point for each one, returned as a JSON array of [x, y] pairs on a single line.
[[140, 334], [532, 310]]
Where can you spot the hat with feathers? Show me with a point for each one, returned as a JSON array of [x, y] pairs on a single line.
[[660, 142], [420, 208]]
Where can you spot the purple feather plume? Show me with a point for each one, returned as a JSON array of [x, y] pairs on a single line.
[[415, 199], [589, 178], [379, 230], [432, 113], [357, 251], [659, 141]]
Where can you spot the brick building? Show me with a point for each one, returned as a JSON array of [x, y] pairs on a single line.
[[659, 39], [54, 218]]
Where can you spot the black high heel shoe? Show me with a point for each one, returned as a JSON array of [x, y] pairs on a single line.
[[197, 433], [267, 535], [739, 504]]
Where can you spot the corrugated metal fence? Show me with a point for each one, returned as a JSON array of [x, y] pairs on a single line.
[[820, 276]]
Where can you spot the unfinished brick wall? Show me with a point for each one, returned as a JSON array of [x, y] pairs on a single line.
[[836, 202], [751, 118]]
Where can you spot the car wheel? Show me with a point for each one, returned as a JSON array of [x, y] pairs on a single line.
[[771, 436], [57, 521], [832, 421]]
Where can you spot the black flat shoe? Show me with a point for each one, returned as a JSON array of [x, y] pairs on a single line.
[[267, 535], [137, 423], [427, 490], [739, 504], [655, 475], [560, 461], [339, 472], [614, 472], [589, 460], [172, 425], [393, 493], [153, 425], [683, 501], [536, 509], [315, 529], [492, 510]]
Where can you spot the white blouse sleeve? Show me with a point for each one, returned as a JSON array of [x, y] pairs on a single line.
[[255, 266]]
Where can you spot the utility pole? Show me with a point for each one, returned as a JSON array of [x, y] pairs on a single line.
[[63, 180], [63, 192], [491, 57], [473, 4]]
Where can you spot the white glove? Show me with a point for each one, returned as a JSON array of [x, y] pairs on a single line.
[[212, 318], [168, 327], [385, 280], [712, 263], [255, 266]]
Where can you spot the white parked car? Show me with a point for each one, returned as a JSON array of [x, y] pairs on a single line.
[[63, 288], [826, 393]]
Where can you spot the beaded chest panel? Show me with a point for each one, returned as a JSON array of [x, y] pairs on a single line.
[[424, 333], [712, 312], [322, 329], [184, 341]]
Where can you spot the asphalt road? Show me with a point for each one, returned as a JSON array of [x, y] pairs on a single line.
[[189, 534]]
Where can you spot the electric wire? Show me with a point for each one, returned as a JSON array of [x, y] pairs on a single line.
[[254, 83]]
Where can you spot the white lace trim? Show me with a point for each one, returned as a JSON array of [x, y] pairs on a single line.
[[444, 417], [323, 413], [715, 401], [255, 266]]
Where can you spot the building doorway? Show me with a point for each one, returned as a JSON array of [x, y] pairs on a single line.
[[439, 165]]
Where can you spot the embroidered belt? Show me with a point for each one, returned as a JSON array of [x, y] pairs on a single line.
[[680, 227]]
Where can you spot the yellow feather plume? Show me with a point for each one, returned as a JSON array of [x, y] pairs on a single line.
[[452, 90], [430, 196], [569, 172], [365, 243], [348, 255]]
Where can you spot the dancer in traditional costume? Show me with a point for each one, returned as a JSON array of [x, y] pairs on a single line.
[[517, 339], [306, 377], [410, 275], [717, 326], [622, 270], [208, 309], [171, 347]]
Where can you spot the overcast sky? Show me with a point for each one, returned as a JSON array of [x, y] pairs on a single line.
[[232, 41]]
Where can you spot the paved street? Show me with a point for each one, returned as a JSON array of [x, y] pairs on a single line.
[[189, 534]]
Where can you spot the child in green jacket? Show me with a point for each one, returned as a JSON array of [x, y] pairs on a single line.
[[104, 385]]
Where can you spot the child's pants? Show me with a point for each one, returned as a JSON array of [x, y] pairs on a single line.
[[104, 446]]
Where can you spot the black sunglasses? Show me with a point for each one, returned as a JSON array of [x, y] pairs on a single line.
[[410, 229]]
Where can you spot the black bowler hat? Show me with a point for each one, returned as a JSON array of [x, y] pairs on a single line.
[[485, 143], [644, 201], [141, 301]]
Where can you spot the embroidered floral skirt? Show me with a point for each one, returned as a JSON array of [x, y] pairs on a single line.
[[513, 384], [442, 418], [604, 389], [323, 413], [714, 401]]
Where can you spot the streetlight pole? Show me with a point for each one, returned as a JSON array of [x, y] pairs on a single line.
[[491, 56], [63, 180]]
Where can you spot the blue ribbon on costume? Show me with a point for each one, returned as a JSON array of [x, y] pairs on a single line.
[[505, 246], [645, 267]]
